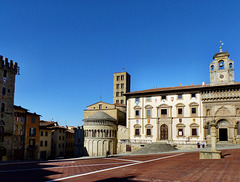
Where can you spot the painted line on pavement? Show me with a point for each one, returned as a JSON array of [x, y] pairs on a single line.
[[124, 160], [103, 170]]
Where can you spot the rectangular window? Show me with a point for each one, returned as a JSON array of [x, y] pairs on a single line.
[[100, 106], [41, 133], [33, 120], [137, 112], [122, 101], [31, 143], [117, 94], [45, 143], [4, 73], [117, 86], [194, 132], [122, 77], [149, 132], [194, 110], [32, 132], [180, 111], [121, 93], [163, 111], [180, 96], [148, 113], [46, 133], [3, 91], [148, 99], [137, 100], [164, 97], [180, 132], [59, 137], [137, 132], [63, 145], [59, 145], [193, 95], [41, 143], [118, 78], [117, 101], [122, 85]]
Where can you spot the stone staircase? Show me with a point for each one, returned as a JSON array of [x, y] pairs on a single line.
[[155, 148]]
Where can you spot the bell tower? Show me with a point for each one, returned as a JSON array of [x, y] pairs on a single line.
[[221, 68]]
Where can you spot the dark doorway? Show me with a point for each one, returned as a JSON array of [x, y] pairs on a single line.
[[223, 134], [164, 132], [43, 155]]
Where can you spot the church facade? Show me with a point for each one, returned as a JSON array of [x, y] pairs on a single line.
[[183, 114]]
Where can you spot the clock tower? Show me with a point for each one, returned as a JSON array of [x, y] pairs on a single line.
[[221, 68]]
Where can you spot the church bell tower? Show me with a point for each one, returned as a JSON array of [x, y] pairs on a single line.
[[221, 68]]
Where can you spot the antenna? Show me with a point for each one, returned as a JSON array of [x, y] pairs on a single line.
[[221, 44]]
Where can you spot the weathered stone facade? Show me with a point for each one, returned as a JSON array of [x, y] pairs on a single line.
[[8, 70]]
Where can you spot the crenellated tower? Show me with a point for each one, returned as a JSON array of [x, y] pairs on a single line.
[[8, 70]]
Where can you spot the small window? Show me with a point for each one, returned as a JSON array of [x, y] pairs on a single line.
[[122, 77], [148, 99], [63, 137], [60, 137], [137, 132], [212, 67], [59, 146], [100, 106], [32, 143], [180, 132], [45, 143], [180, 96], [117, 94], [238, 128], [122, 85], [164, 97], [137, 100], [194, 132], [117, 86], [137, 112], [9, 91], [46, 133], [33, 120], [3, 107], [32, 132], [118, 78], [193, 95], [41, 143], [194, 110], [163, 111], [4, 73], [121, 93], [117, 101], [149, 132], [41, 133], [180, 111], [3, 91], [122, 101], [230, 65], [148, 113]]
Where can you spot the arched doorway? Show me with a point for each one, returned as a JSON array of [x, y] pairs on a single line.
[[164, 132], [223, 130]]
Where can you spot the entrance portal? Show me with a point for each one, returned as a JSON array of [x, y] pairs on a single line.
[[164, 132], [223, 134]]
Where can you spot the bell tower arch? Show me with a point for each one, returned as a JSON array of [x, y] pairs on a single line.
[[221, 68]]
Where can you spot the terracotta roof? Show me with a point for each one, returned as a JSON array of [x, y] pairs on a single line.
[[178, 88], [46, 123], [119, 104], [70, 131]]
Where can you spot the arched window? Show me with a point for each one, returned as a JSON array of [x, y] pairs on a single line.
[[212, 67], [221, 64], [230, 65]]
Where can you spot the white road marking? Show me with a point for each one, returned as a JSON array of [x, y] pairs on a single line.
[[124, 160], [32, 169], [112, 168]]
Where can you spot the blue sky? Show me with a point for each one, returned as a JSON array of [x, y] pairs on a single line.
[[68, 50]]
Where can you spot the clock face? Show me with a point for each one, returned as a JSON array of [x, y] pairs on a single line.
[[221, 76]]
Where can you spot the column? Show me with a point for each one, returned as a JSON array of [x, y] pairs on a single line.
[[213, 136]]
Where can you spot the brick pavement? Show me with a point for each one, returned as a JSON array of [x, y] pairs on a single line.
[[159, 167]]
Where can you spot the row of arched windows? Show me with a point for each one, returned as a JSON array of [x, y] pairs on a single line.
[[221, 65], [100, 133]]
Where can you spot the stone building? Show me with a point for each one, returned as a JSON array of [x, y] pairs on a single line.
[[121, 85], [45, 129], [182, 115], [70, 141], [79, 149], [100, 125], [19, 127], [8, 70]]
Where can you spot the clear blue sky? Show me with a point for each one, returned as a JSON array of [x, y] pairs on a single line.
[[68, 50]]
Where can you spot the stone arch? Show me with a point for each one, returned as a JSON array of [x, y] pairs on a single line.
[[222, 111]]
